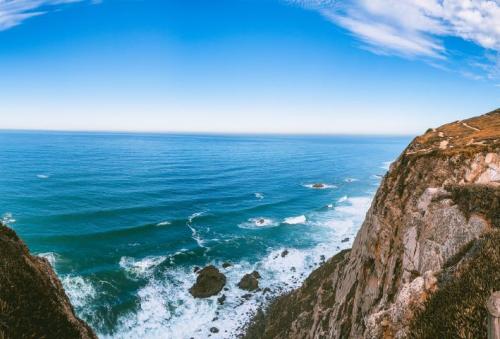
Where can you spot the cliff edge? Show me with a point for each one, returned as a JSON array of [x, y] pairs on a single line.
[[426, 257], [32, 300]]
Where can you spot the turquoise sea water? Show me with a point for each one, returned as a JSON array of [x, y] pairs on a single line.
[[124, 218]]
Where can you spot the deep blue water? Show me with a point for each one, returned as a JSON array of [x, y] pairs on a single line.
[[124, 218]]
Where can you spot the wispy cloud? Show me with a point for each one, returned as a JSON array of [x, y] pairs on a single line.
[[14, 12], [417, 28]]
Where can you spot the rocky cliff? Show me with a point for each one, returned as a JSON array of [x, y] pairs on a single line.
[[426, 257], [32, 300]]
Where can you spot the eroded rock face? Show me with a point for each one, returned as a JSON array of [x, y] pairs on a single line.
[[32, 300], [208, 283], [440, 194]]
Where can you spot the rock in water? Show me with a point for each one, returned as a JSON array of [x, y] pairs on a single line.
[[318, 185], [226, 265], [250, 281], [221, 299], [208, 283], [33, 303]]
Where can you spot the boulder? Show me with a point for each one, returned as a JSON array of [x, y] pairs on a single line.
[[250, 281], [208, 283]]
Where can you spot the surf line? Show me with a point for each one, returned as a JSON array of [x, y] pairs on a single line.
[[194, 234]]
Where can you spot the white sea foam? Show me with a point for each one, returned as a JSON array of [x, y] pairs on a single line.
[[259, 222], [194, 233], [301, 219], [8, 219], [323, 187], [42, 176], [350, 179], [80, 291], [50, 256], [386, 165], [163, 223], [140, 268], [342, 199], [259, 195], [167, 310]]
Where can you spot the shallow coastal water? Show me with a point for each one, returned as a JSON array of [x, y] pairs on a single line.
[[124, 218]]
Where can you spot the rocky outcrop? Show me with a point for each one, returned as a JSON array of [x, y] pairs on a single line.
[[436, 203], [209, 282], [32, 300], [250, 281]]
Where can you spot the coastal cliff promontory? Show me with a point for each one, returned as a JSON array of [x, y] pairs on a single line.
[[33, 303], [426, 257]]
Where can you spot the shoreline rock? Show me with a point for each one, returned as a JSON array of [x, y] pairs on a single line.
[[209, 282], [250, 281]]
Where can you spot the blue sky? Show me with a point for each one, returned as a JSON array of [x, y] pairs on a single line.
[[313, 66]]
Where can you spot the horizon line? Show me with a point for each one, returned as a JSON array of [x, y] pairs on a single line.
[[171, 132]]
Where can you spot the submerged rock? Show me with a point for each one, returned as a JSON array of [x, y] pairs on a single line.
[[226, 265], [250, 281], [284, 253], [214, 330], [221, 299], [247, 296], [318, 185], [208, 283], [345, 240]]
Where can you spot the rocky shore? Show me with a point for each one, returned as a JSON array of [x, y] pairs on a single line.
[[33, 303], [426, 257]]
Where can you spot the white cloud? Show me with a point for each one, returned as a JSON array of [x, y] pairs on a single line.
[[14, 12], [416, 28]]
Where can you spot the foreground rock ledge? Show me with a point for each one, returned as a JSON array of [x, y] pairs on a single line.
[[32, 300], [426, 257]]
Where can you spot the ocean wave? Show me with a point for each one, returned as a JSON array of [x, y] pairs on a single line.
[[342, 199], [260, 222], [386, 165], [80, 291], [50, 256], [163, 223], [42, 176], [301, 219], [194, 233], [140, 268], [8, 219], [323, 187], [350, 179], [259, 195]]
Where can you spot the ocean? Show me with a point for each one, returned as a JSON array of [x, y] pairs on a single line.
[[125, 217]]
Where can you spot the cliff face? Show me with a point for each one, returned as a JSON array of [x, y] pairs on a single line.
[[435, 215], [32, 300]]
